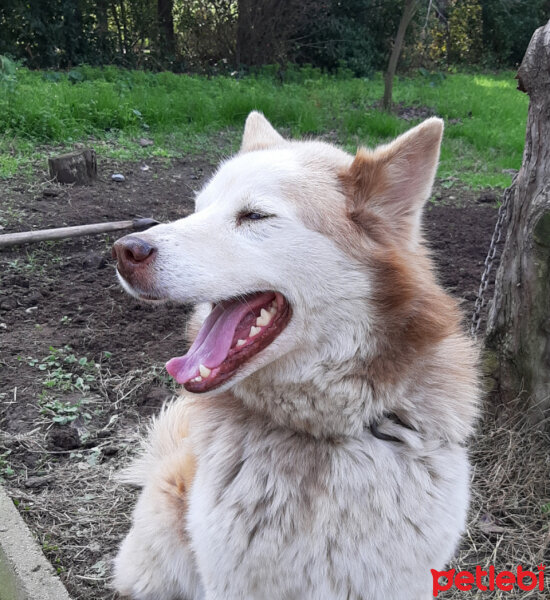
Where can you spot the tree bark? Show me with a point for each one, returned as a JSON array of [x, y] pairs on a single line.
[[79, 168], [246, 33], [102, 15], [167, 39], [406, 17], [121, 47], [518, 328]]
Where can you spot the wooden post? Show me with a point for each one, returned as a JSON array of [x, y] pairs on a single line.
[[518, 328], [79, 168]]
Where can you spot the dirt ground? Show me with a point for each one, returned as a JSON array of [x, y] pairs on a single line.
[[81, 362]]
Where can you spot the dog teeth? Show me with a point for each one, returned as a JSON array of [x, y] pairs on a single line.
[[273, 307], [199, 378], [254, 331], [264, 318], [240, 343], [204, 371]]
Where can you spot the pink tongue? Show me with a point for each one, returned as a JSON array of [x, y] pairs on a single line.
[[213, 341]]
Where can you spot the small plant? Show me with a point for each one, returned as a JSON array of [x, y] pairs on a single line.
[[8, 73], [47, 547], [65, 372], [33, 264], [5, 469], [64, 412]]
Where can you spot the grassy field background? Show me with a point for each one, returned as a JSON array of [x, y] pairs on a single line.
[[110, 109]]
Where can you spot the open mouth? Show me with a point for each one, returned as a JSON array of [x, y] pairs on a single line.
[[236, 330]]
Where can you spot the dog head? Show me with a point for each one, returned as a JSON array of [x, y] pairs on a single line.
[[300, 252]]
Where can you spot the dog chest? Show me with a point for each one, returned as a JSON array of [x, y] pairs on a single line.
[[310, 518]]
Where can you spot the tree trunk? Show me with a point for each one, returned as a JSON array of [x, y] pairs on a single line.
[[406, 17], [121, 47], [79, 168], [102, 16], [245, 33], [518, 328], [167, 39], [124, 23]]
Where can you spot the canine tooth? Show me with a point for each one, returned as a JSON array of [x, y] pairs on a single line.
[[264, 318], [204, 371], [199, 378], [254, 331], [272, 310], [241, 343]]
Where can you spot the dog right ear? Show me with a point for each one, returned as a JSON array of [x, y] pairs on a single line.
[[393, 182], [259, 134]]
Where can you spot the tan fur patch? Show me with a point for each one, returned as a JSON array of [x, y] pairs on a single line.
[[376, 228], [179, 475], [171, 444], [414, 313]]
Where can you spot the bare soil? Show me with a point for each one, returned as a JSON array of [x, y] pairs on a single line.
[[81, 362]]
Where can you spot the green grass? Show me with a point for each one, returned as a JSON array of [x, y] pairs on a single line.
[[111, 108]]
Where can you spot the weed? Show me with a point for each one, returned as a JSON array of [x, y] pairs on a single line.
[[48, 547], [5, 468], [65, 412], [8, 74], [9, 215], [33, 263], [64, 372]]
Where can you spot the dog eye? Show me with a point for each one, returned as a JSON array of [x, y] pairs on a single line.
[[254, 216], [250, 215]]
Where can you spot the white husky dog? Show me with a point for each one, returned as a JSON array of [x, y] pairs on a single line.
[[320, 452]]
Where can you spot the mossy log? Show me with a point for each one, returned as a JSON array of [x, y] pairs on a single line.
[[518, 328]]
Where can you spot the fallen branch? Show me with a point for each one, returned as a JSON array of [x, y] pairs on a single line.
[[42, 235]]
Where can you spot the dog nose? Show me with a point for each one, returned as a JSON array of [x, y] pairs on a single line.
[[132, 249], [131, 253]]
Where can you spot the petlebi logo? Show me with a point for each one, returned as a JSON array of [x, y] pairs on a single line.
[[489, 580]]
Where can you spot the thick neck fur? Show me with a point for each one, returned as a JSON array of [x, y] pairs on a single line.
[[341, 398]]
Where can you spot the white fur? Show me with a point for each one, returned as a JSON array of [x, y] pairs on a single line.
[[293, 497]]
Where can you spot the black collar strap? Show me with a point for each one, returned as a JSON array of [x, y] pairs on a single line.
[[384, 436]]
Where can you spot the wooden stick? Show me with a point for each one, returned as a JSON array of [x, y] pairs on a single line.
[[27, 237]]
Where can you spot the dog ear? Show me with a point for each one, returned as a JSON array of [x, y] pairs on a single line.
[[259, 134], [390, 185]]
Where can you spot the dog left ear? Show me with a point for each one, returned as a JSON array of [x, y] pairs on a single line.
[[259, 134], [392, 183]]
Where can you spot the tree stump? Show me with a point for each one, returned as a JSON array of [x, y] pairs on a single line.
[[518, 328], [79, 168]]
